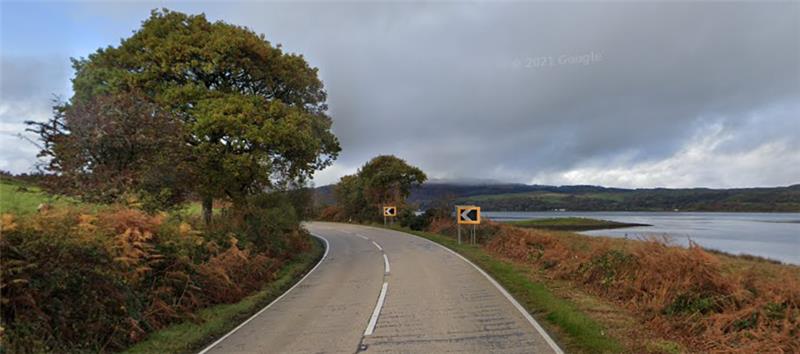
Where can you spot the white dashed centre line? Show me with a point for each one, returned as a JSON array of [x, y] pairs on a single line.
[[375, 313], [373, 321]]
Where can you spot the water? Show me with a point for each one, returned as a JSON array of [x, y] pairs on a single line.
[[770, 235]]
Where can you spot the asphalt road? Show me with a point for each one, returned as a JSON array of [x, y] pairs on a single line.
[[379, 291]]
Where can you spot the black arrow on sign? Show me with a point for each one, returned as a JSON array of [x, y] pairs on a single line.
[[469, 215]]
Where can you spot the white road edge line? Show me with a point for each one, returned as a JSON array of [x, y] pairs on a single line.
[[324, 255], [375, 313], [377, 245], [386, 264], [508, 296]]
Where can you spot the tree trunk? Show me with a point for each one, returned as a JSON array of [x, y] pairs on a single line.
[[208, 205]]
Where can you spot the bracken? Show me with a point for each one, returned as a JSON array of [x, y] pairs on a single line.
[[707, 302], [75, 281]]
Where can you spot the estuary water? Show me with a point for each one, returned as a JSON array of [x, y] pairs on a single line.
[[771, 235]]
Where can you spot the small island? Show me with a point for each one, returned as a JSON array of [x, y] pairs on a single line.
[[572, 224]]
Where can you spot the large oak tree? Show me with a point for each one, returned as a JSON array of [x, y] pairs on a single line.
[[255, 116]]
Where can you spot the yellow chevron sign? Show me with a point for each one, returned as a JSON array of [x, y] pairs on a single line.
[[468, 214]]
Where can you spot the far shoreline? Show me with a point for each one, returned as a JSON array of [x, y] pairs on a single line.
[[572, 224], [641, 211]]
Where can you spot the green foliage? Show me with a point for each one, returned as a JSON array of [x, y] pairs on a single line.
[[265, 220], [748, 322], [350, 198], [387, 179], [775, 311], [420, 222], [691, 303], [247, 116], [382, 181], [607, 267]]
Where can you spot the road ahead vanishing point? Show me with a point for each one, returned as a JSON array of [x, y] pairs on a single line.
[[379, 290]]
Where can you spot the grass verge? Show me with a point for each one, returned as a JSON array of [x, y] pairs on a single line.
[[215, 321], [21, 198], [572, 224], [574, 330]]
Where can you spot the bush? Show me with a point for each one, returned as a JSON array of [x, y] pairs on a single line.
[[77, 281], [332, 213], [267, 222], [411, 220]]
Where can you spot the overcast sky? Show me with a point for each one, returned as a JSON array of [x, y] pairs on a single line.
[[617, 94]]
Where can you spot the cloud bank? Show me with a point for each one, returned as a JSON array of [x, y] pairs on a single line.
[[618, 94]]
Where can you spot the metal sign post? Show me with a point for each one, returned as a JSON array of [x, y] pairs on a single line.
[[474, 235], [389, 211]]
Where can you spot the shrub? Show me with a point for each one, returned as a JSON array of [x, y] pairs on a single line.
[[332, 213], [413, 221], [267, 222], [608, 267], [77, 281]]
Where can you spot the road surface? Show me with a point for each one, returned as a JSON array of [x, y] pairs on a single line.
[[379, 291]]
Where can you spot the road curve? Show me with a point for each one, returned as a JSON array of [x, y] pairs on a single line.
[[380, 291]]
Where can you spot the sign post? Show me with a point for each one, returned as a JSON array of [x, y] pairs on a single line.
[[468, 215], [389, 211]]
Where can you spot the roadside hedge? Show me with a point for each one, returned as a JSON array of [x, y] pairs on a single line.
[[76, 281]]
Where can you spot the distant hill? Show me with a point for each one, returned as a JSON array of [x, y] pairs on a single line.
[[522, 197], [324, 195]]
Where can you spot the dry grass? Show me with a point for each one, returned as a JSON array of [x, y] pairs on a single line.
[[707, 302]]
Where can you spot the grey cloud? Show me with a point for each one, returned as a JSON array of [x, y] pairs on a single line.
[[445, 85], [26, 78], [28, 86]]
